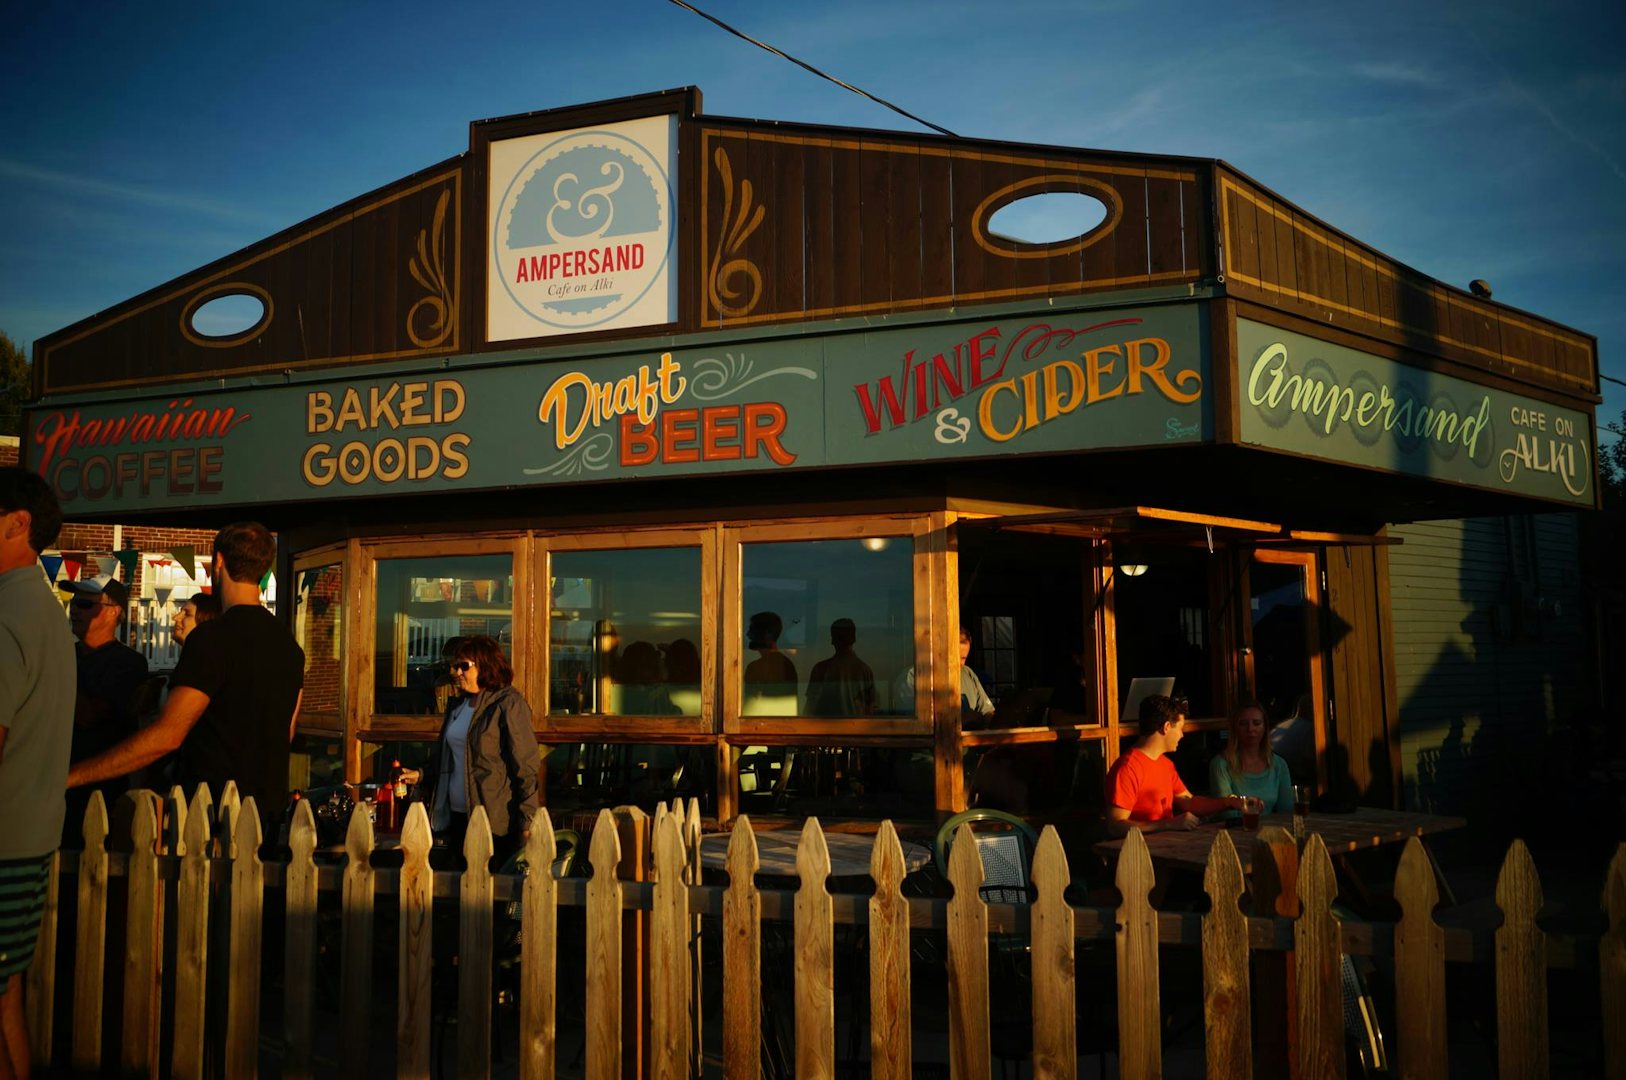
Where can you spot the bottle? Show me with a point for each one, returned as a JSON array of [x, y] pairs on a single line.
[[386, 806]]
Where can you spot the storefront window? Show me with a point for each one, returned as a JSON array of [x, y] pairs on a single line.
[[836, 781], [829, 628], [422, 605], [319, 627], [1280, 609], [624, 632], [1164, 629], [587, 776]]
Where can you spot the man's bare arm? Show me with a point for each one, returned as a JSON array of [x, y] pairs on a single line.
[[1118, 823], [1202, 805], [183, 709], [293, 721]]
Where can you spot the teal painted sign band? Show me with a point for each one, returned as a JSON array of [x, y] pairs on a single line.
[[1036, 382], [1323, 400]]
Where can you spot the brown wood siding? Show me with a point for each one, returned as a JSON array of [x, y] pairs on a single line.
[[1279, 256], [1361, 761], [894, 224], [365, 281]]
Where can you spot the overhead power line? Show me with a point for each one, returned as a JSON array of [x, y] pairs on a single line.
[[809, 67]]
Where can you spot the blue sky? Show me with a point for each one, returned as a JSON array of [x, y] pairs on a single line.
[[1468, 140]]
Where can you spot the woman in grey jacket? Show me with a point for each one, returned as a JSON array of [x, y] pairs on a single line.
[[488, 755]]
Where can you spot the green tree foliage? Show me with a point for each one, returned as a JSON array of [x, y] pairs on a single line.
[[14, 385], [1612, 464]]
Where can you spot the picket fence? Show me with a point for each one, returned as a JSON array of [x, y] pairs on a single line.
[[185, 852]]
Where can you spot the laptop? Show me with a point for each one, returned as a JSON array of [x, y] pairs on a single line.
[[1139, 691]]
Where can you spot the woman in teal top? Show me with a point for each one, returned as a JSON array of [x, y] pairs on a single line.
[[1247, 767]]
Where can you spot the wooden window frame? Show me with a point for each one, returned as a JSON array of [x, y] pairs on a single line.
[[631, 728], [1310, 563]]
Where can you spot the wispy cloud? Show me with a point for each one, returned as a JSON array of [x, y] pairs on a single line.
[[1563, 127], [1396, 73], [97, 187]]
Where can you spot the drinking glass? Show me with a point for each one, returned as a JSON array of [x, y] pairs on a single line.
[[1301, 810]]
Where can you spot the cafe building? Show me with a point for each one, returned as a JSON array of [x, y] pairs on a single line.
[[725, 428]]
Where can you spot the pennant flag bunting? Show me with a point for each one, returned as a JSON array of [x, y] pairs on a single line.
[[185, 556], [130, 559], [52, 564], [107, 565], [263, 580], [307, 578], [71, 567]]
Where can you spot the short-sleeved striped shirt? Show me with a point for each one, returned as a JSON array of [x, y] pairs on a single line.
[[22, 904]]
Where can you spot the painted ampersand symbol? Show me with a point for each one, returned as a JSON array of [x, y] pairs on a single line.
[[952, 427]]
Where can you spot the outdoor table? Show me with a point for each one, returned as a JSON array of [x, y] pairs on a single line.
[[1365, 827], [776, 853]]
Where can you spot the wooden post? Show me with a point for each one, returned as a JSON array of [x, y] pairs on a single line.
[[891, 1053], [356, 955], [474, 915], [299, 941], [90, 940], [243, 993], [412, 1011], [969, 1054], [815, 957], [1319, 967], [1275, 894], [144, 947], [1055, 991], [604, 929], [1227, 1014], [1140, 1007], [1521, 969], [669, 975], [226, 818], [192, 938], [1612, 966], [538, 1037], [742, 958], [41, 997], [1419, 968]]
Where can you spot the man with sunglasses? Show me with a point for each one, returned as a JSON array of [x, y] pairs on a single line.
[[36, 725], [110, 674]]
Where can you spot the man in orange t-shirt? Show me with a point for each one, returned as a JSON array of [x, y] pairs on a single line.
[[1143, 789]]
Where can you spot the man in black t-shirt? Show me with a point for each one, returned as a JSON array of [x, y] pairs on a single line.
[[235, 694]]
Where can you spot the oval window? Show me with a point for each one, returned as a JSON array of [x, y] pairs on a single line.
[[1051, 218], [228, 316]]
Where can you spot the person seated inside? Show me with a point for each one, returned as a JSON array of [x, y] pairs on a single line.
[[1144, 791], [1247, 766]]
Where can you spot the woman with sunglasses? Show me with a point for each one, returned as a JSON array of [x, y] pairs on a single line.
[[1247, 767], [487, 754]]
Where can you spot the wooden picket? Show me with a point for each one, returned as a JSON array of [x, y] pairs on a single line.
[[1292, 921], [192, 938], [538, 1038], [969, 1051], [143, 942], [243, 970], [415, 948], [1055, 939], [697, 965], [604, 952], [1227, 1016], [474, 901], [299, 941], [742, 958], [1319, 967], [1521, 970], [669, 973], [1419, 969], [356, 948], [90, 940], [1140, 1035], [889, 1010]]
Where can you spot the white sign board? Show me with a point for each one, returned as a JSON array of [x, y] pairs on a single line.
[[581, 230]]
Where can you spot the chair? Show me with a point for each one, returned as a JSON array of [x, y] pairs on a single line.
[[1006, 854]]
